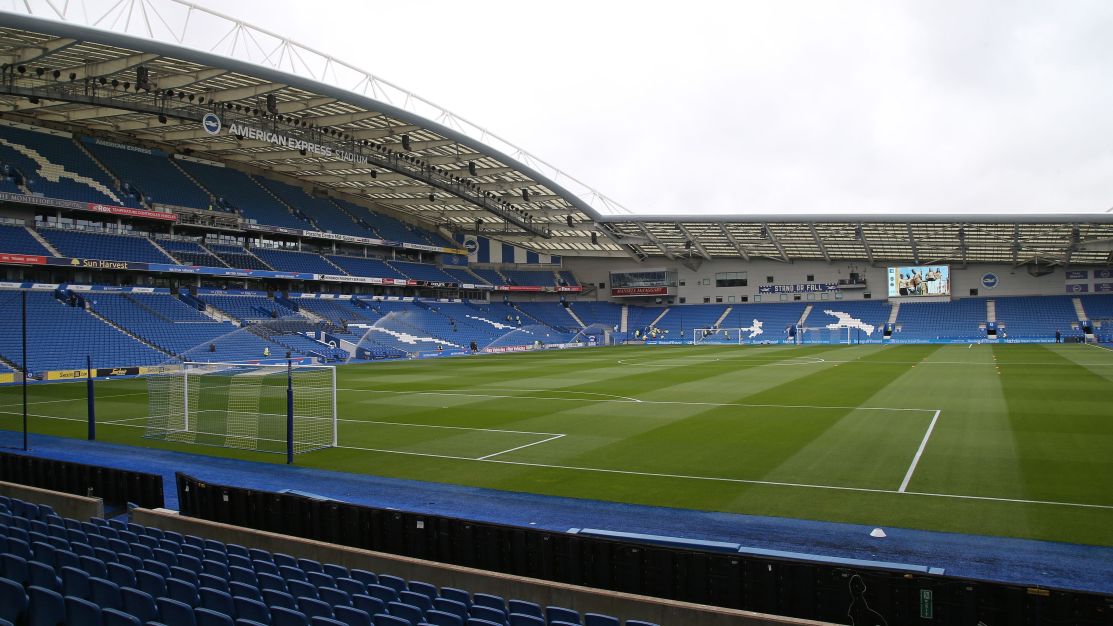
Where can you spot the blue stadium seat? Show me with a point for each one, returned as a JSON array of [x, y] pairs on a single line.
[[525, 608], [382, 619], [351, 586], [47, 608], [182, 591], [274, 598], [440, 618], [454, 607], [20, 548], [207, 617], [175, 613], [382, 592], [521, 619], [394, 582], [81, 612], [281, 559], [370, 604], [561, 614], [139, 603], [156, 567], [488, 600], [216, 600], [314, 608], [14, 568], [352, 616], [292, 573], [320, 579], [149, 582], [242, 590], [411, 614], [43, 575], [271, 581], [595, 619], [318, 620], [334, 596], [365, 577], [336, 571], [13, 600], [212, 582], [636, 622], [75, 582], [239, 574], [105, 593], [477, 621], [302, 589], [488, 613], [122, 575], [287, 617], [114, 617], [253, 610], [458, 595], [421, 601]]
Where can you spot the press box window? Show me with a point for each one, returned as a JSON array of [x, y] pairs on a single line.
[[731, 279]]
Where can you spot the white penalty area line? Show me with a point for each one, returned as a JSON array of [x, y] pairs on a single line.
[[742, 481], [484, 458], [919, 453]]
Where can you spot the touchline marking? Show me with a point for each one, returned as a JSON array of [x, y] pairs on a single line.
[[919, 452], [684, 477], [677, 402], [484, 458]]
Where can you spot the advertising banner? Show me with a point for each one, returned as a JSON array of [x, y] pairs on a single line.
[[798, 288], [130, 212], [22, 259], [639, 291]]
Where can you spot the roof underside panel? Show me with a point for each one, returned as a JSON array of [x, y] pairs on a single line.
[[566, 222]]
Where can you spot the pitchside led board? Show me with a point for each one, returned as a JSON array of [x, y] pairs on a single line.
[[919, 281]]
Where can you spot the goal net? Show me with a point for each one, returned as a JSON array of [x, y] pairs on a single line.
[[244, 406], [750, 334], [716, 335], [826, 334]]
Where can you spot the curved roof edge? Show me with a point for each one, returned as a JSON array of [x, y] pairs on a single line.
[[89, 33], [876, 218]]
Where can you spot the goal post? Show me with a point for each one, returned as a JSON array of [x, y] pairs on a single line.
[[280, 408]]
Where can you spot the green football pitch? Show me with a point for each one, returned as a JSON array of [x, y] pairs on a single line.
[[1001, 440]]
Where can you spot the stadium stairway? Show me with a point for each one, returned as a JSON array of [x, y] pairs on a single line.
[[89, 308], [804, 315], [579, 322], [722, 317], [894, 313], [991, 310], [1079, 310], [118, 184], [42, 240], [624, 320]]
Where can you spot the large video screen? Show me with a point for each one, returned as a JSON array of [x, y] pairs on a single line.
[[919, 280]]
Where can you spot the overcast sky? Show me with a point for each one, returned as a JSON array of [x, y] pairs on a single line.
[[761, 107]]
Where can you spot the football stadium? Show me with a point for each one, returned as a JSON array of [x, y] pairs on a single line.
[[286, 345]]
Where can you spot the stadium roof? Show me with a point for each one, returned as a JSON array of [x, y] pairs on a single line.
[[391, 149]]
